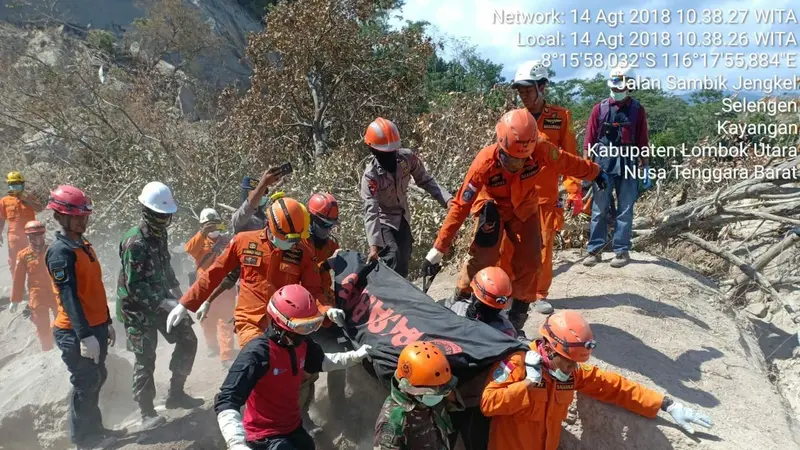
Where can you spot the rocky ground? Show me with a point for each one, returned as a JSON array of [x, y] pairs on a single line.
[[655, 322]]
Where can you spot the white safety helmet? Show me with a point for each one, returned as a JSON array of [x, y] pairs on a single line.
[[529, 73], [158, 197], [618, 76], [209, 214]]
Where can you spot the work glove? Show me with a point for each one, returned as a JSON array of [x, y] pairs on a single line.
[[112, 336], [432, 263], [685, 417], [602, 180], [230, 424], [343, 360], [168, 304], [90, 348], [175, 316], [533, 366], [12, 308], [202, 312], [336, 316], [575, 203]]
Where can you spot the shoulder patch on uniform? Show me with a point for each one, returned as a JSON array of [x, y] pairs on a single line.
[[502, 371], [58, 270], [554, 154], [469, 193]]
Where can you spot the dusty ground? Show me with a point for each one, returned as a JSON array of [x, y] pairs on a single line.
[[654, 321]]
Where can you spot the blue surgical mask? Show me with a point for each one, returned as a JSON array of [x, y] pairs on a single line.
[[281, 244], [431, 400], [320, 232], [619, 96], [263, 202], [559, 375]]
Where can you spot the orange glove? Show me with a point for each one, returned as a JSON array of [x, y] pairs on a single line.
[[575, 203]]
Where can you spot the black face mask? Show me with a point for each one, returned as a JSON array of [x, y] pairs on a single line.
[[283, 337], [477, 310], [157, 222], [387, 160]]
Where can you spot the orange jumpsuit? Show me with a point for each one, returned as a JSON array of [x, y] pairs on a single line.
[[264, 269], [556, 123], [216, 327], [31, 265], [530, 418], [16, 214], [514, 198], [322, 253]]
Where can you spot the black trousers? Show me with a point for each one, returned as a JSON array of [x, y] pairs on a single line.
[[397, 247], [298, 439], [87, 377]]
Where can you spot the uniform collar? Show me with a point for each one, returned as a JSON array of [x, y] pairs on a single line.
[[401, 398], [70, 243]]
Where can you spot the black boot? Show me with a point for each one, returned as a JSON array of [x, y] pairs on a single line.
[[177, 398], [518, 315], [150, 418]]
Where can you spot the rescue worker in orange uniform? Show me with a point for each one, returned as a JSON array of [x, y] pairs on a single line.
[[16, 209], [528, 394], [82, 329], [555, 122], [42, 300], [270, 258], [205, 247], [500, 191]]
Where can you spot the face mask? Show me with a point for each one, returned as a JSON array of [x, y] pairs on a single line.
[[619, 96], [263, 202], [213, 234], [387, 160], [431, 400], [281, 244], [320, 232], [511, 164], [559, 375]]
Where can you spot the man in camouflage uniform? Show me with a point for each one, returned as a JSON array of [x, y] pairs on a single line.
[[415, 414], [147, 291]]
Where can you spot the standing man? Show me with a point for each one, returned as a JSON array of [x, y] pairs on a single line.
[[499, 190], [31, 265], [251, 214], [617, 122], [147, 291], [215, 320], [555, 122], [17, 208], [82, 329], [384, 189]]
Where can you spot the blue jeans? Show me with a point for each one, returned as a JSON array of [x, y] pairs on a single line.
[[87, 378], [627, 190]]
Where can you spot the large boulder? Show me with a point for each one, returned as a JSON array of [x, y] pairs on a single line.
[[656, 323]]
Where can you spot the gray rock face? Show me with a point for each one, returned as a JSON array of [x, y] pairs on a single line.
[[228, 19]]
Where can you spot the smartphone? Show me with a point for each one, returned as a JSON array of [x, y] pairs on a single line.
[[285, 169]]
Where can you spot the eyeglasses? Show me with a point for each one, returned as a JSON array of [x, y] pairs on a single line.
[[302, 325]]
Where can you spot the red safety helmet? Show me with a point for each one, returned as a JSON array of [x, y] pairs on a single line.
[[569, 334], [492, 287], [34, 227], [517, 133], [70, 201], [324, 207], [382, 135], [292, 308]]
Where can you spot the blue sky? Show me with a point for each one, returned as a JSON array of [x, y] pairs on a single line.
[[472, 21]]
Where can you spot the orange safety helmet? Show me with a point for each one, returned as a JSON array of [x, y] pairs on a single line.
[[492, 287], [517, 133], [382, 135], [324, 206], [288, 219], [423, 364], [569, 334], [34, 227]]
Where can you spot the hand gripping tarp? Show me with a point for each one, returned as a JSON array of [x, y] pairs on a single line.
[[388, 312]]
